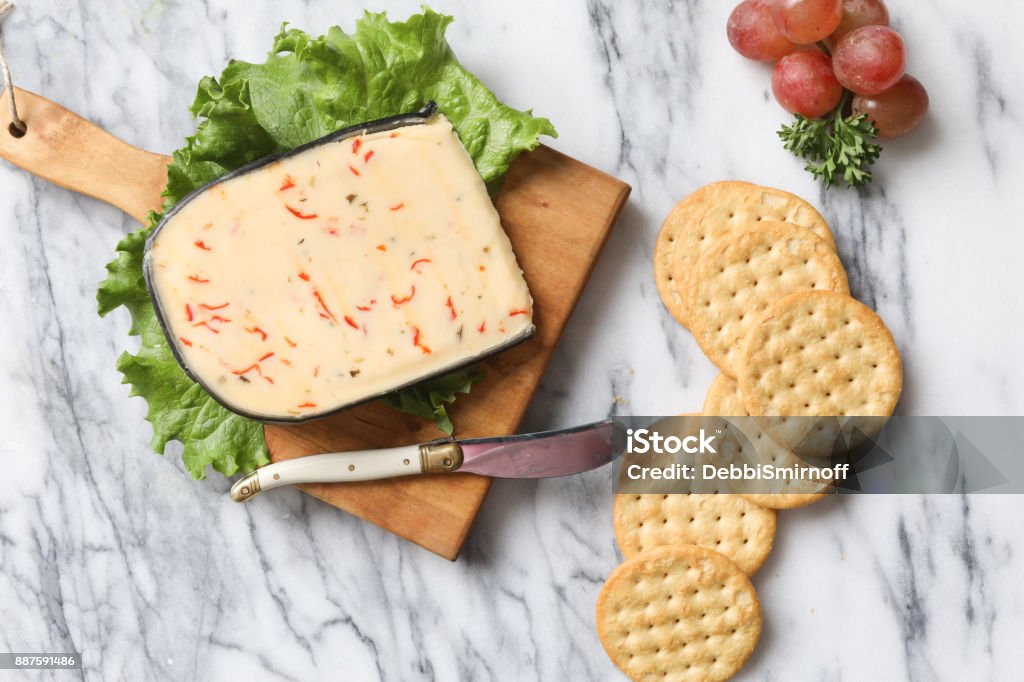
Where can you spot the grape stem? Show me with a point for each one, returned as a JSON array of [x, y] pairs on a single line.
[[845, 106]]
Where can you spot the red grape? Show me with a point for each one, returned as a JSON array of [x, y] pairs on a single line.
[[807, 21], [857, 13], [869, 59], [896, 111], [804, 83], [753, 33]]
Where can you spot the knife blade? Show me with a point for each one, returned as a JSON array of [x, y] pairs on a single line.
[[533, 455]]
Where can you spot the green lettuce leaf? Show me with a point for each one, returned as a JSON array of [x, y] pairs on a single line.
[[307, 88], [429, 399]]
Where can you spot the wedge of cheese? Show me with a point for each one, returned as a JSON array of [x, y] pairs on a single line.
[[338, 273]]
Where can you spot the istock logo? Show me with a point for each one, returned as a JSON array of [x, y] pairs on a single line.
[[642, 441]]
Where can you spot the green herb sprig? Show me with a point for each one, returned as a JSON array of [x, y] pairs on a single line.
[[835, 146]]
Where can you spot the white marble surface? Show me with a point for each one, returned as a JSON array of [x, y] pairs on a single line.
[[112, 551]]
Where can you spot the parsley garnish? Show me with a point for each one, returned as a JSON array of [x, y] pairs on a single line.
[[834, 146]]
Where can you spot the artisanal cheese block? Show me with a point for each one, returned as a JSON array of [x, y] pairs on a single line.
[[338, 273]]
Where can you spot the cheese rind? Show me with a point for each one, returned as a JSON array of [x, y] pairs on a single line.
[[338, 274]]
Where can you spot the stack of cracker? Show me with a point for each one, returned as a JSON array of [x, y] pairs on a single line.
[[753, 273]]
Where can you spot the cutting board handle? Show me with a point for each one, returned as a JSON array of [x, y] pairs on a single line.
[[64, 148]]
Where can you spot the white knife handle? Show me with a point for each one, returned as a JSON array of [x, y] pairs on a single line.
[[349, 467]]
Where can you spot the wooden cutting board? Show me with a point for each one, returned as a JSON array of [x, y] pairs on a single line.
[[557, 212]]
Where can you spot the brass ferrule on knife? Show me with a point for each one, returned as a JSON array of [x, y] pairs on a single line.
[[440, 457]]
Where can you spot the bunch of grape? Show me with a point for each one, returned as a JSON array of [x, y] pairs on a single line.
[[835, 58], [861, 53]]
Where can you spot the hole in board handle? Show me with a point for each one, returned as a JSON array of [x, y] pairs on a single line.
[[15, 131]]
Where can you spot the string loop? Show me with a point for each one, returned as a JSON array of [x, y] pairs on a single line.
[[17, 127]]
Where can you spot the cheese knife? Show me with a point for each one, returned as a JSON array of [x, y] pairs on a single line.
[[533, 455]]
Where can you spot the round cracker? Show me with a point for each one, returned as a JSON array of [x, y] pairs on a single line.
[[729, 205], [762, 448], [784, 500], [724, 398], [728, 524], [745, 271], [819, 353], [678, 613], [687, 210]]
